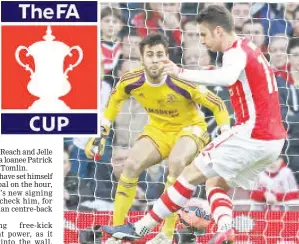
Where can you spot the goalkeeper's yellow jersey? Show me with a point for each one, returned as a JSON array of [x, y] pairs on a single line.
[[171, 105]]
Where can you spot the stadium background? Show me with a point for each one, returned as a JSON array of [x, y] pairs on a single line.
[[90, 185]]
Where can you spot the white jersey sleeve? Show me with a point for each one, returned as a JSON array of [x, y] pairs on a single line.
[[234, 62]]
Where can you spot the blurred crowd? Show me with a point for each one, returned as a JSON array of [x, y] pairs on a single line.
[[273, 27]]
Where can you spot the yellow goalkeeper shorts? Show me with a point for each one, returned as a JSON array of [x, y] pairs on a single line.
[[164, 141]]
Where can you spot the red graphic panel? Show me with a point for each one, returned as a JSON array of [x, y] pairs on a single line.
[[82, 78], [251, 227]]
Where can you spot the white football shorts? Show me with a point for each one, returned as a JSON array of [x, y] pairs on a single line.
[[238, 158]]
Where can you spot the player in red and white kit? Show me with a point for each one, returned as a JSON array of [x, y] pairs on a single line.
[[236, 157]]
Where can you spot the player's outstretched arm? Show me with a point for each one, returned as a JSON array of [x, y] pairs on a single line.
[[234, 61]]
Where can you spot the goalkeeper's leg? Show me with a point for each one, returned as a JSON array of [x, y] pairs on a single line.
[[181, 155], [143, 155]]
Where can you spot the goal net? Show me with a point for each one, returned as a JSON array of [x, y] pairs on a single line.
[[90, 185]]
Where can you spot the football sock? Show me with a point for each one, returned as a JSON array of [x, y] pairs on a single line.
[[145, 225], [170, 221], [221, 208], [173, 199], [124, 197]]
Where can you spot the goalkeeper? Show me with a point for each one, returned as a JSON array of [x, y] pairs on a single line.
[[176, 129]]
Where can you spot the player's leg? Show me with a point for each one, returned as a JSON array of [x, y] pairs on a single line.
[[191, 141], [221, 209], [143, 155], [252, 158], [238, 160], [221, 151], [182, 153], [220, 202], [170, 201]]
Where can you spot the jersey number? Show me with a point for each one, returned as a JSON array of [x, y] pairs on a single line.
[[272, 85]]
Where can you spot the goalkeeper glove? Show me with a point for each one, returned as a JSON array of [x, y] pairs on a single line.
[[96, 145]]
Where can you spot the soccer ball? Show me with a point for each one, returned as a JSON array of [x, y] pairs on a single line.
[[196, 217]]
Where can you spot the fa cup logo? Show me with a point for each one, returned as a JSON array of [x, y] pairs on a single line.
[[49, 81]]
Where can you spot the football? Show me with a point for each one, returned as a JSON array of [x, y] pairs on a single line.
[[195, 216]]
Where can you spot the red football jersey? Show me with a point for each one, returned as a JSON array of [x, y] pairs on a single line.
[[254, 96]]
